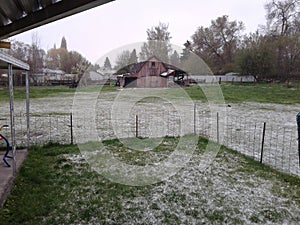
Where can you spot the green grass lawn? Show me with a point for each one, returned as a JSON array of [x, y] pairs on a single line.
[[48, 91], [233, 93], [263, 93], [53, 188]]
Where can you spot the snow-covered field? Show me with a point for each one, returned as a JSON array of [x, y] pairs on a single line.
[[227, 192], [118, 114], [221, 193]]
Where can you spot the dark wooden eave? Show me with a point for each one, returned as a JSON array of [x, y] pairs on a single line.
[[17, 16]]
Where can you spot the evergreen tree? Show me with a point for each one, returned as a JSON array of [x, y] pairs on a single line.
[[107, 64], [133, 57], [63, 43]]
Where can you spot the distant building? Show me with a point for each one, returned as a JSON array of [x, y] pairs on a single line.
[[45, 75], [151, 73], [221, 78], [53, 77], [94, 78]]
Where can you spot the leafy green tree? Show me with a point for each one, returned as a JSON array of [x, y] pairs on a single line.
[[53, 59], [186, 51], [79, 63], [65, 63], [158, 43], [257, 61], [287, 56], [70, 62], [218, 43], [194, 65], [175, 59], [283, 31]]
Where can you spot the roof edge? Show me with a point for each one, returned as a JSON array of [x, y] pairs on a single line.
[[16, 63], [49, 14]]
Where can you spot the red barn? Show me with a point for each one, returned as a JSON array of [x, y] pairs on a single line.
[[152, 73]]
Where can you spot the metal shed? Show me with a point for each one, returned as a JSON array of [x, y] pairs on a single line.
[[10, 63]]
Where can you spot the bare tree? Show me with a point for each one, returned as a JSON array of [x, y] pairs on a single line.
[[123, 59], [36, 56], [282, 16]]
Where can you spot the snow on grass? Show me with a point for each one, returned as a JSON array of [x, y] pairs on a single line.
[[240, 126], [232, 190]]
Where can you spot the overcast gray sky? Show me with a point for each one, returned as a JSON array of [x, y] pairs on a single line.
[[95, 32]]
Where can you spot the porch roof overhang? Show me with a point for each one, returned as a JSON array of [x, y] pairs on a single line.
[[6, 60], [17, 16]]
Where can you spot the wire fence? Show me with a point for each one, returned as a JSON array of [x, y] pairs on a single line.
[[274, 145], [44, 128], [271, 144]]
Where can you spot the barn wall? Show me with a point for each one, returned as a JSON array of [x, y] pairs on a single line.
[[152, 82], [149, 75]]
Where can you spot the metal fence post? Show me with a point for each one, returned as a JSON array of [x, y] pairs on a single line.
[[136, 125], [71, 127], [298, 124], [262, 143], [27, 109], [218, 137], [195, 119], [12, 116]]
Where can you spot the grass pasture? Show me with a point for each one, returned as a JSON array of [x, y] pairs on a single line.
[[233, 93], [252, 92], [47, 91], [57, 186]]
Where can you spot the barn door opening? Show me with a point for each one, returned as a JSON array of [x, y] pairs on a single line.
[[130, 81]]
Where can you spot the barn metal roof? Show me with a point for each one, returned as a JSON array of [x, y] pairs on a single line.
[[17, 16]]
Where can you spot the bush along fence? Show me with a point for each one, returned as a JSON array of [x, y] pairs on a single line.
[[273, 145]]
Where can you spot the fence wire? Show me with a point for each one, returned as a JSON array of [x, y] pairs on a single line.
[[280, 146]]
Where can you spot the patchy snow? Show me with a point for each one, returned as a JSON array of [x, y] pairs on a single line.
[[224, 193], [113, 115]]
